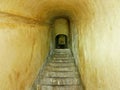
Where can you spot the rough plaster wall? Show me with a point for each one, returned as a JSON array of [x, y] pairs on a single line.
[[61, 27], [74, 42], [21, 51], [99, 47]]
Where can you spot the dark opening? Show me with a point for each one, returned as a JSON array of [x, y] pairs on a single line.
[[61, 41]]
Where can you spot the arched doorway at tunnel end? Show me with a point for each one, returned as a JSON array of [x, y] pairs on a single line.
[[61, 41], [61, 33]]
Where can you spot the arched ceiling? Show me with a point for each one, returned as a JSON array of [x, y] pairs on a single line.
[[44, 10]]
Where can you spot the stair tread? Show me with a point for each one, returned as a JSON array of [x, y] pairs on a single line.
[[59, 64], [63, 57], [60, 81], [60, 74], [48, 68], [56, 63], [76, 87], [60, 61]]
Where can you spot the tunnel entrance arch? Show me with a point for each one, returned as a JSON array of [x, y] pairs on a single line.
[[61, 41], [61, 33]]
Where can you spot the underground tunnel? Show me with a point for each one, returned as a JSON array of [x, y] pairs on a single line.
[[61, 31], [28, 39], [59, 71]]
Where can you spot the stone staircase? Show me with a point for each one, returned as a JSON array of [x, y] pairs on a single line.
[[59, 73]]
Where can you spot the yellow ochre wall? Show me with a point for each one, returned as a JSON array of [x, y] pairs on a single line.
[[95, 23], [24, 45], [61, 27], [99, 47]]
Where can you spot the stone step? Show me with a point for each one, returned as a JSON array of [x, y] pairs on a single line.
[[55, 58], [60, 81], [59, 74], [70, 69], [61, 64], [75, 87], [62, 60], [62, 51], [62, 56]]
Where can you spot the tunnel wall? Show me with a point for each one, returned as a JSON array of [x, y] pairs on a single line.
[[74, 41], [61, 26], [99, 47], [21, 51]]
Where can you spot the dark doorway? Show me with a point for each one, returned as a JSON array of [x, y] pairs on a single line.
[[61, 41]]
